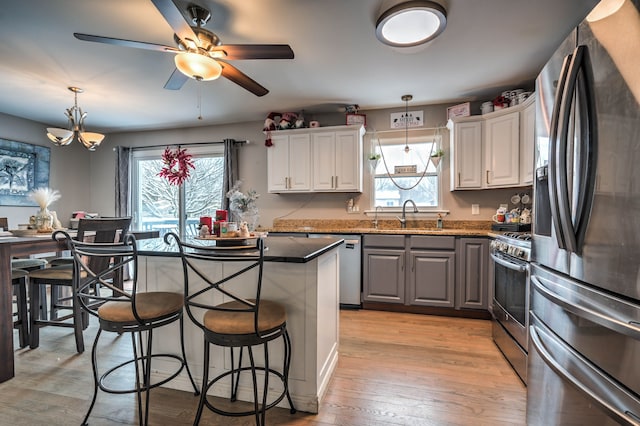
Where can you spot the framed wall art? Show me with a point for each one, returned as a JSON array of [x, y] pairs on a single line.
[[23, 167]]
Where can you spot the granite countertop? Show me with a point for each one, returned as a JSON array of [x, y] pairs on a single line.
[[389, 227], [277, 249]]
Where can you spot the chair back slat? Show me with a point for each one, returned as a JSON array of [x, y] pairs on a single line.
[[202, 288]]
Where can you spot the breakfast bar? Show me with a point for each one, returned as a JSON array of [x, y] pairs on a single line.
[[300, 273]]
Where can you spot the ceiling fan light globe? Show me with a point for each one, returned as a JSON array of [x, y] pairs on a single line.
[[90, 140], [198, 66], [59, 136]]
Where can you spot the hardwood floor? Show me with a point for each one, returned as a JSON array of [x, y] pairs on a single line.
[[394, 369]]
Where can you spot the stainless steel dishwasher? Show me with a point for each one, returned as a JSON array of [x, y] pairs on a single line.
[[350, 268]]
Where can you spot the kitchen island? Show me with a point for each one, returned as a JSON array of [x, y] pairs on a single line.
[[300, 273]]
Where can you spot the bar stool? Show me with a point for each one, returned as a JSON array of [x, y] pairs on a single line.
[[242, 323], [123, 311], [21, 323]]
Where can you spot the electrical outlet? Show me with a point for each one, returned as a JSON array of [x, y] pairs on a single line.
[[475, 208]]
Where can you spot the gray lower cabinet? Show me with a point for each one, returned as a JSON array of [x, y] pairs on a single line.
[[427, 279], [473, 273], [383, 275], [432, 278], [383, 268], [426, 270]]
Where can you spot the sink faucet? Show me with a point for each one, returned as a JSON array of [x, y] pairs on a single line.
[[403, 219], [375, 217]]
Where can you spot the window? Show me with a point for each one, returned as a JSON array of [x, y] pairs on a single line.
[[420, 179], [156, 205]]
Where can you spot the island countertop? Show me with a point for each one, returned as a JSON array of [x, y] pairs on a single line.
[[277, 249]]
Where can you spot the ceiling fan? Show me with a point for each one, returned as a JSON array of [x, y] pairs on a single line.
[[199, 52]]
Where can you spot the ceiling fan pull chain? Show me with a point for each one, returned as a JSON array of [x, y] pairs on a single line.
[[199, 83]]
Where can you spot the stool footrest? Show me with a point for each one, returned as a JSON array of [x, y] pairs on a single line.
[[104, 377]]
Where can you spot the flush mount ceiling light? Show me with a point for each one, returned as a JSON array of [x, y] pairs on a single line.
[[411, 23], [61, 137]]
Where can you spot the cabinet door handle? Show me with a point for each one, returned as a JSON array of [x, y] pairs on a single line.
[[459, 180], [332, 178], [335, 186], [286, 182], [487, 177], [413, 264]]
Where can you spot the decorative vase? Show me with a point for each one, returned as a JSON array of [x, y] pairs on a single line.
[[44, 220], [249, 216], [436, 161], [373, 164]]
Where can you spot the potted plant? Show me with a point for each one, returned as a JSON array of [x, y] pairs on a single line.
[[436, 156], [374, 157]]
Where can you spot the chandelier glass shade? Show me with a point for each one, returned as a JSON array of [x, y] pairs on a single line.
[[411, 23], [198, 66], [62, 137]]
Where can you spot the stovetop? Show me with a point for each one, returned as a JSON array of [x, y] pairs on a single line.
[[514, 244]]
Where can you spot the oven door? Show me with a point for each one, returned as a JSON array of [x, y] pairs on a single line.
[[511, 296]]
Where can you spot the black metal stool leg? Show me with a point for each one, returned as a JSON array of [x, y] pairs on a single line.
[[255, 385], [205, 383], [94, 365]]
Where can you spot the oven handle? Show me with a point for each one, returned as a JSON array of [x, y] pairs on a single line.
[[511, 265]]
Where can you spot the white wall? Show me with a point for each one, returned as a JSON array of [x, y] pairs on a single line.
[[69, 172], [253, 170], [86, 179]]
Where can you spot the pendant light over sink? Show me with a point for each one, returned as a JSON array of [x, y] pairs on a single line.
[[411, 23]]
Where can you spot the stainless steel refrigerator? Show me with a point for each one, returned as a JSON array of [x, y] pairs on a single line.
[[584, 334]]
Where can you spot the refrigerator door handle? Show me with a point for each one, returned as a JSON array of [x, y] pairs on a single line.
[[586, 183], [574, 368], [567, 99], [594, 307], [553, 143]]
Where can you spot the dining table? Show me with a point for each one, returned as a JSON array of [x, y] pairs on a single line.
[[21, 247]]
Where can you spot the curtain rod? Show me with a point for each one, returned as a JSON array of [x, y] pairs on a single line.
[[185, 145]]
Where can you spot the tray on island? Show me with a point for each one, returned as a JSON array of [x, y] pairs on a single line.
[[230, 242]]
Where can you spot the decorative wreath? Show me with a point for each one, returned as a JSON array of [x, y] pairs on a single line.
[[176, 166]]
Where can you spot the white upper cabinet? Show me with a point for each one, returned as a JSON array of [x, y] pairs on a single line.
[[328, 160], [502, 150], [289, 163], [527, 142], [494, 150], [466, 154], [337, 161]]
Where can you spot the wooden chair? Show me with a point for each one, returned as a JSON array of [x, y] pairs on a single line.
[[21, 321], [124, 311], [105, 230], [241, 323], [29, 264]]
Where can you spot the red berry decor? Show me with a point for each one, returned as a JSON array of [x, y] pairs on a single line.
[[176, 166]]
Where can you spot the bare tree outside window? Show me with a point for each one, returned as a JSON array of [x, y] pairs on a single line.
[[158, 205]]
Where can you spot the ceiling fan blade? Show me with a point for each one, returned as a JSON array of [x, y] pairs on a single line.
[[256, 51], [241, 79], [174, 18], [176, 81], [125, 43]]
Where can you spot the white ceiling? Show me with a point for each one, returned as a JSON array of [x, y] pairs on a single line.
[[488, 46]]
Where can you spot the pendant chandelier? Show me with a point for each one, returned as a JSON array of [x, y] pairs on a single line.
[[61, 137]]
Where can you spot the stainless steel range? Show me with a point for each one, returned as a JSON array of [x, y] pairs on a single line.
[[510, 252]]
